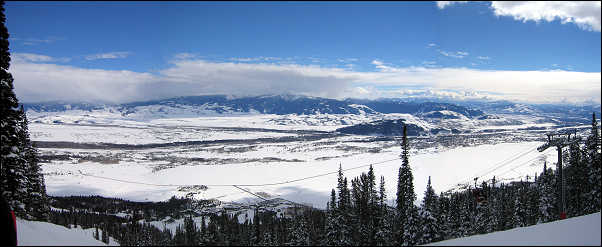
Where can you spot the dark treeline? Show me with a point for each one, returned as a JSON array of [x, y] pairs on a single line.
[[21, 182], [358, 213]]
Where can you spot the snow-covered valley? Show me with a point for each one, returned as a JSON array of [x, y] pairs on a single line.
[[252, 149]]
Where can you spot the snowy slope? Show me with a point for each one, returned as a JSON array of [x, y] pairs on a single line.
[[38, 233], [577, 231]]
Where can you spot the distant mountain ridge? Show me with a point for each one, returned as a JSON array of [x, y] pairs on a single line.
[[273, 104], [305, 105]]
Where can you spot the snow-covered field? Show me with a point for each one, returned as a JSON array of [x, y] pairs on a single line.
[[38, 233], [577, 231], [257, 149], [446, 168], [138, 134]]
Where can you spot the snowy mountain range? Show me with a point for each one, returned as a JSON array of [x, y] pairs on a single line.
[[351, 116], [273, 104], [305, 105]]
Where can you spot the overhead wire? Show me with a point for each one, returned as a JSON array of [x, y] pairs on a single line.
[[497, 166]]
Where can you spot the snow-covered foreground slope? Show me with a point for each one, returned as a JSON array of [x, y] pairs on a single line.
[[577, 231], [38, 233]]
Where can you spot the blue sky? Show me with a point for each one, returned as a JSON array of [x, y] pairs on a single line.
[[338, 49]]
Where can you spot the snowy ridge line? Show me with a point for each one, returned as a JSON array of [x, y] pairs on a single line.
[[500, 164], [235, 185]]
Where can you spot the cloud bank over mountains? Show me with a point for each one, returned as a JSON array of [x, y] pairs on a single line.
[[38, 79]]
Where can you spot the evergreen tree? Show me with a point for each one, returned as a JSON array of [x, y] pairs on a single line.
[[343, 212], [13, 180], [547, 199], [445, 217], [430, 230], [191, 233], [593, 161], [518, 217], [411, 232], [406, 211], [21, 183], [383, 235], [332, 230], [36, 200], [577, 183], [299, 233]]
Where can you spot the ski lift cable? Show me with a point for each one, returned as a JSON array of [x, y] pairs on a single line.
[[519, 165], [507, 163], [260, 197], [512, 169], [500, 164]]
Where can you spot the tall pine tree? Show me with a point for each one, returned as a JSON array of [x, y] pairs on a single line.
[[407, 213], [593, 161], [13, 164]]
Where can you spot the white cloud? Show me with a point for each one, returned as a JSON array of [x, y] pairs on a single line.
[[457, 54], [109, 55], [33, 41], [347, 60], [184, 55], [430, 64], [254, 59], [45, 82], [585, 14], [431, 45], [443, 4], [35, 58], [483, 57]]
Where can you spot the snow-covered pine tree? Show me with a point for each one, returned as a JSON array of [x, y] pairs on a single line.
[[268, 239], [13, 180], [455, 219], [430, 230], [577, 183], [299, 236], [373, 206], [593, 161], [383, 236], [406, 196], [492, 206], [331, 229], [547, 196], [518, 216], [444, 216], [480, 225], [466, 215], [343, 212], [191, 233], [412, 228], [37, 200], [203, 238]]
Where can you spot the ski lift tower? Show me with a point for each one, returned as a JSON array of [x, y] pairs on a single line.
[[560, 140]]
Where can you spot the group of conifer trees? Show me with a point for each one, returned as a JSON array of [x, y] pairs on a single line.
[[361, 216], [21, 181], [358, 214]]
